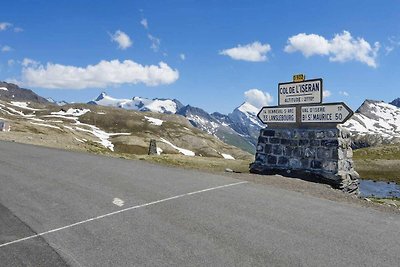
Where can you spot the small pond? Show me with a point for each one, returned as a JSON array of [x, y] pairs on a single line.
[[370, 188]]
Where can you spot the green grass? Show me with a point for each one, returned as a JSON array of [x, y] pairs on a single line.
[[388, 152], [380, 163]]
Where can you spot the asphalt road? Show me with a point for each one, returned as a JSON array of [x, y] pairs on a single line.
[[57, 209]]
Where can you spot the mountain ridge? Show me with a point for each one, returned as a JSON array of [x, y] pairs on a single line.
[[373, 123], [227, 128], [13, 92]]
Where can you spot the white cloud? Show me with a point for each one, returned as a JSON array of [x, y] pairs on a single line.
[[258, 98], [393, 43], [155, 42], [122, 39], [308, 44], [10, 62], [18, 29], [343, 93], [182, 56], [103, 74], [342, 48], [326, 94], [144, 23], [29, 62], [6, 48], [389, 49], [4, 26], [254, 52]]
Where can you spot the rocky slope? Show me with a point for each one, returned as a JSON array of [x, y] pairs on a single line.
[[396, 102], [10, 91], [240, 128], [109, 130], [375, 123]]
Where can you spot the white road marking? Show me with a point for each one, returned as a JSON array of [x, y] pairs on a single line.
[[119, 211], [119, 202]]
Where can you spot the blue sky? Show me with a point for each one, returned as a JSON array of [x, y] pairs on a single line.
[[212, 52]]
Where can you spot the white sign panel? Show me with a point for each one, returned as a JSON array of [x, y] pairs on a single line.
[[334, 113], [277, 115], [306, 92]]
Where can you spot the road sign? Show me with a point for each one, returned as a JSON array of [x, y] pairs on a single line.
[[296, 93], [277, 115], [299, 77], [326, 113]]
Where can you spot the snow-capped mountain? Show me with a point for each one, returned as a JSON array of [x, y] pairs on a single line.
[[219, 125], [396, 102], [374, 123], [166, 106], [228, 128], [200, 119], [58, 103], [245, 121], [240, 128]]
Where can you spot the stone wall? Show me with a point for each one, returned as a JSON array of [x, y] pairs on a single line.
[[321, 155]]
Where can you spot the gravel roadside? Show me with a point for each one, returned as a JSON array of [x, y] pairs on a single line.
[[317, 190]]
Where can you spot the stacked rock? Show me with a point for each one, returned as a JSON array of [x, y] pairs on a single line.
[[321, 155]]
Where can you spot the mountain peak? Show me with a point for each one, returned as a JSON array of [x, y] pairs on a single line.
[[15, 93], [101, 96], [396, 102], [374, 122], [246, 107]]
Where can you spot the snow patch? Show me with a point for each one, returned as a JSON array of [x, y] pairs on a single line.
[[36, 119], [102, 135], [20, 113], [154, 121], [46, 125], [3, 88], [69, 128], [61, 117], [23, 105], [227, 156], [72, 112], [185, 152], [79, 140]]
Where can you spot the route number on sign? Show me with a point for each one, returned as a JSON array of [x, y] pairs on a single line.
[[299, 77]]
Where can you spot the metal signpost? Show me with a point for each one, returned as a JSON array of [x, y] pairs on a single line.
[[300, 105]]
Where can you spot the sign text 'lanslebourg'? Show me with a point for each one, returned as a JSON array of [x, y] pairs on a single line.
[[278, 115]]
